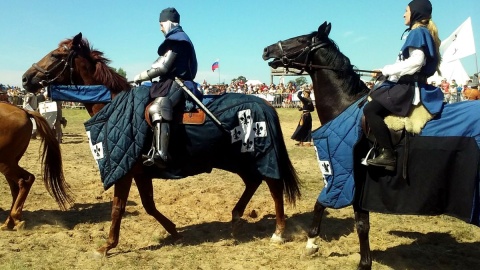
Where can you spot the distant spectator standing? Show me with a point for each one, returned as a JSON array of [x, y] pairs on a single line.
[[303, 133], [445, 86], [453, 92]]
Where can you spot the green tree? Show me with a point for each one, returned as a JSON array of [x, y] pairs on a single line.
[[301, 80], [121, 72], [240, 78]]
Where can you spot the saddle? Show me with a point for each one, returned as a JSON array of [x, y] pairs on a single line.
[[399, 126], [192, 117], [412, 123]]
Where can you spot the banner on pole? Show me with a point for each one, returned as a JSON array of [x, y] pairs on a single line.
[[459, 44]]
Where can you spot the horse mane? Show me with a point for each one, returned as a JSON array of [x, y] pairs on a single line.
[[346, 76], [103, 74]]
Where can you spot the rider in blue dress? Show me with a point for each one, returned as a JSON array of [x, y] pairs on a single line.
[[406, 83]]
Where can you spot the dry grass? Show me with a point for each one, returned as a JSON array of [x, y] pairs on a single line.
[[201, 206]]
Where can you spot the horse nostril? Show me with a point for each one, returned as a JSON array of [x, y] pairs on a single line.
[[265, 53], [24, 80]]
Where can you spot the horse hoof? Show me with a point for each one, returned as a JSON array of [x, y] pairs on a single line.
[[311, 251], [97, 254], [277, 239], [100, 253], [19, 226]]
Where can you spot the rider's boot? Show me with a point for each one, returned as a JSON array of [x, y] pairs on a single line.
[[386, 159], [162, 139]]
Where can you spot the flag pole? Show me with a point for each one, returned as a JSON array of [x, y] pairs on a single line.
[[218, 73], [476, 63]]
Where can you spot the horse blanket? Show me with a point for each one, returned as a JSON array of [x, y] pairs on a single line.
[[248, 137], [117, 134], [442, 168], [334, 144], [80, 93], [441, 163]]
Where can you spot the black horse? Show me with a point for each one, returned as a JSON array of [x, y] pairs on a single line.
[[337, 87], [249, 142]]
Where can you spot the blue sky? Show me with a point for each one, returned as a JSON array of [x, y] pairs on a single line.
[[235, 32]]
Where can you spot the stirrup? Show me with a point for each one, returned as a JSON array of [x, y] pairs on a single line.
[[149, 160], [370, 152]]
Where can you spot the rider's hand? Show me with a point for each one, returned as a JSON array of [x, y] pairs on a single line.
[[137, 79]]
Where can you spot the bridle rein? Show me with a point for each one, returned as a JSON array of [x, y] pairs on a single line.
[[68, 61], [306, 53]]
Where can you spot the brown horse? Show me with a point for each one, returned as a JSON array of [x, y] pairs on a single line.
[[74, 62], [15, 134]]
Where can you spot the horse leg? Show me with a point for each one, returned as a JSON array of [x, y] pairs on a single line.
[[145, 189], [362, 224], [314, 231], [276, 190], [20, 182], [121, 191], [251, 187]]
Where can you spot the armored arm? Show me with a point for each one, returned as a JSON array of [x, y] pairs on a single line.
[[159, 68]]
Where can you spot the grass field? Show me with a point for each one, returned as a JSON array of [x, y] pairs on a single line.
[[201, 207]]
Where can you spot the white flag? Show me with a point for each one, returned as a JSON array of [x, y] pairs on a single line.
[[459, 44]]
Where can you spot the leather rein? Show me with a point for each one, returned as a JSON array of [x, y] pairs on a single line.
[[68, 61]]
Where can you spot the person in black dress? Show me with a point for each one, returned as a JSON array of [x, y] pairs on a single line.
[[303, 133]]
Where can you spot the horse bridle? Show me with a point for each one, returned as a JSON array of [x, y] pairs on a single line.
[[68, 61], [288, 62], [307, 64]]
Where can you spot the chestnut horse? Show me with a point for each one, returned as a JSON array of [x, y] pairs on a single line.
[[337, 86], [15, 133], [74, 62], [471, 94]]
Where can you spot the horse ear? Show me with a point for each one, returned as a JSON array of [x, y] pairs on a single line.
[[77, 39], [324, 29], [327, 30]]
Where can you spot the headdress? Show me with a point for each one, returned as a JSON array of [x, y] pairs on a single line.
[[169, 14]]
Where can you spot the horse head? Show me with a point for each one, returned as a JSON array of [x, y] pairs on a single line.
[[335, 82], [73, 62], [296, 52]]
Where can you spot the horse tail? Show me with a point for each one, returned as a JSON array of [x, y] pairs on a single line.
[[291, 181], [52, 166]]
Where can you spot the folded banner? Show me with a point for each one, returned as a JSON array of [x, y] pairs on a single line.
[[80, 93]]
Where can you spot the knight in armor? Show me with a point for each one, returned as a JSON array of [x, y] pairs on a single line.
[[177, 59], [418, 59]]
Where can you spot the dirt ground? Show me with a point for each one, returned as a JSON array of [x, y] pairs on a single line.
[[201, 208]]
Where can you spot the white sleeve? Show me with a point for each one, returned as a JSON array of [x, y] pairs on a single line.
[[407, 67]]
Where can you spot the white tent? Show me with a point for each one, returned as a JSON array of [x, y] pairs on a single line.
[[253, 82], [451, 71]]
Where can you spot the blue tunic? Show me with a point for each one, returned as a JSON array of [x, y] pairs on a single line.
[[421, 38], [185, 65], [398, 97]]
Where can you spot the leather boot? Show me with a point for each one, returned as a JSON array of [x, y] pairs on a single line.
[[386, 159]]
